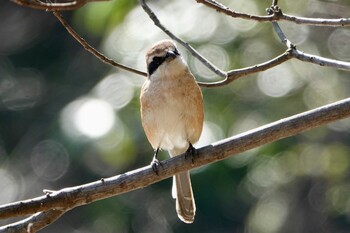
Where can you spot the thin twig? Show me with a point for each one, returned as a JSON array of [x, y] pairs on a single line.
[[274, 3], [92, 50], [238, 73], [295, 53], [194, 52], [54, 6], [80, 195], [322, 61], [276, 16]]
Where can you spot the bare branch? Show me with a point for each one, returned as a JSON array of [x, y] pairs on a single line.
[[295, 53], [80, 195], [322, 61], [344, 22], [54, 6], [232, 75], [276, 16], [194, 52], [282, 36], [235, 74], [92, 50], [33, 223]]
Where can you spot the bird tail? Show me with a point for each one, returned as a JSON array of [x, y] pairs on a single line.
[[182, 192]]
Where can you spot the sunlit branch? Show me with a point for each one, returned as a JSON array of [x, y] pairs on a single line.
[[282, 36], [232, 75], [54, 6], [238, 73], [194, 52], [295, 53], [72, 197], [92, 50], [322, 61], [276, 16]]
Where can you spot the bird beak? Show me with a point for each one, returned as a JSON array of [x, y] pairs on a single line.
[[171, 54]]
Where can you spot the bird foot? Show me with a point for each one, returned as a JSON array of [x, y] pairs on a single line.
[[191, 152], [155, 162]]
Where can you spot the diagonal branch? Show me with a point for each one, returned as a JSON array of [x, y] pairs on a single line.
[[238, 73], [92, 50], [72, 197], [194, 52]]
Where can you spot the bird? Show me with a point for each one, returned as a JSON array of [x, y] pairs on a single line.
[[172, 116]]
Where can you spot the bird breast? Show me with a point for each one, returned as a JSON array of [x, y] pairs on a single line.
[[172, 111]]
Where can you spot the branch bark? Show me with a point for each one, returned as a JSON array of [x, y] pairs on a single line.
[[68, 198], [33, 223], [91, 49], [277, 15], [193, 52], [54, 6], [232, 75]]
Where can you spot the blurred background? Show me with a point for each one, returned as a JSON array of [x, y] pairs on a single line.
[[67, 119]]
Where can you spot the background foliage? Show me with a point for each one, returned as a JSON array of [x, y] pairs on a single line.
[[68, 119]]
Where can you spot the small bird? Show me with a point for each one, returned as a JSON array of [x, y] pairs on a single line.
[[172, 115]]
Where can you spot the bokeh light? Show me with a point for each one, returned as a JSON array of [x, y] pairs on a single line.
[[278, 81], [94, 118], [21, 90], [269, 214], [10, 186], [49, 160], [116, 89], [215, 54], [338, 44], [88, 117]]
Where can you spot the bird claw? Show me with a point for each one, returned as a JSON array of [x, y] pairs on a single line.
[[155, 162], [155, 165], [190, 152]]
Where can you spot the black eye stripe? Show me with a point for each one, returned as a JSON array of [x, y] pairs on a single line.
[[155, 63]]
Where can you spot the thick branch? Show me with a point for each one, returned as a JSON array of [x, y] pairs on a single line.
[[80, 195], [276, 16]]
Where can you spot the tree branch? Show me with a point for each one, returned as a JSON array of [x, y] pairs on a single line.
[[92, 50], [194, 52], [33, 223], [238, 73], [276, 15], [56, 6], [295, 53], [72, 197], [232, 75]]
